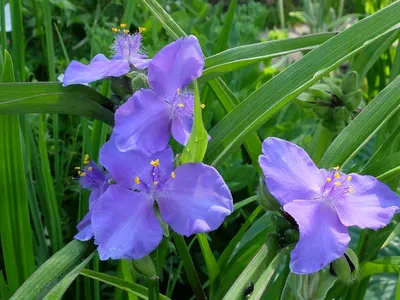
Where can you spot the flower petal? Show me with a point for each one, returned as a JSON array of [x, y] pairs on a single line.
[[175, 66], [323, 238], [289, 172], [181, 129], [125, 166], [371, 205], [143, 123], [196, 200], [100, 67], [125, 225], [85, 228]]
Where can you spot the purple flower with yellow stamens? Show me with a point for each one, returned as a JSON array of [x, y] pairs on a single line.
[[146, 121], [127, 54], [94, 179], [324, 203], [191, 199]]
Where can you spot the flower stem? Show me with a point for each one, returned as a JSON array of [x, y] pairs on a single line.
[[153, 288], [189, 266]]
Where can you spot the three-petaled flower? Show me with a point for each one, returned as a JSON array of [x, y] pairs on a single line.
[[323, 203], [127, 53], [191, 199], [146, 121]]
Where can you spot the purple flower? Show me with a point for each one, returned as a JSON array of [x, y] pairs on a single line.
[[323, 203], [191, 199], [94, 179], [126, 49], [147, 119]]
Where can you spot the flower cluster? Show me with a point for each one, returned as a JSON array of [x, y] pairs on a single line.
[[142, 189], [324, 203]]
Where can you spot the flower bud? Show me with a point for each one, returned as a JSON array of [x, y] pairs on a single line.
[[352, 100], [291, 236], [280, 223], [346, 267], [334, 88], [341, 114], [145, 267], [265, 198], [350, 82], [121, 87], [306, 100], [323, 112], [321, 91], [139, 82]]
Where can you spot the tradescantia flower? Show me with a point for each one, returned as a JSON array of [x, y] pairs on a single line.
[[324, 203], [146, 121], [94, 179], [191, 199], [126, 49]]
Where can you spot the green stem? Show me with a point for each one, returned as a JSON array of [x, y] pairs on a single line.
[[281, 13], [153, 288], [189, 266]]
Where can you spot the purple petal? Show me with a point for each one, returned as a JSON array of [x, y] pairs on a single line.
[[85, 228], [290, 173], [125, 166], [175, 66], [323, 238], [371, 205], [181, 129], [143, 123], [127, 47], [100, 67], [196, 200], [124, 224]]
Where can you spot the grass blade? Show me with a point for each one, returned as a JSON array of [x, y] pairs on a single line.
[[226, 29]]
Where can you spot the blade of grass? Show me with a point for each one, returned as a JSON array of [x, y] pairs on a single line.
[[226, 29], [18, 39]]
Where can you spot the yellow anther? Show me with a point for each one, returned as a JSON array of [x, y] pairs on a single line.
[[77, 168], [137, 180], [155, 163], [202, 105], [122, 25], [178, 91], [337, 175], [338, 183], [181, 105], [79, 172], [90, 168], [114, 29], [86, 159], [351, 191], [349, 178], [125, 31], [155, 182], [173, 175], [336, 168], [83, 174], [329, 179], [142, 29]]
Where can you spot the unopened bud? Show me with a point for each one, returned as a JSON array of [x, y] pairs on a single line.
[[323, 112], [341, 114], [121, 87], [291, 236], [139, 82], [352, 100], [350, 82], [145, 267], [346, 267]]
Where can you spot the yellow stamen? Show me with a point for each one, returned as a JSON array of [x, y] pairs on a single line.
[[173, 175], [86, 159], [338, 183], [337, 175], [351, 191], [178, 91], [336, 168], [181, 105], [137, 180], [202, 105], [77, 168], [155, 163], [349, 178], [79, 172], [122, 25], [83, 174], [90, 168], [114, 29], [125, 31], [155, 182], [142, 29], [329, 179]]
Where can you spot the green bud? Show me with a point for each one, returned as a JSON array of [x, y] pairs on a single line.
[[121, 87], [341, 113], [306, 100], [145, 267], [281, 224], [311, 286], [139, 82], [323, 112], [319, 93], [265, 198], [346, 267], [352, 100], [334, 88], [291, 236], [350, 82]]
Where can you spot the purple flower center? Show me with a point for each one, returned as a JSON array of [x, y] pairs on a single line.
[[337, 186], [181, 105], [127, 46]]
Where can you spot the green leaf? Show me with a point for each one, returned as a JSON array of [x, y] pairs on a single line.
[[54, 270], [371, 268], [385, 168], [242, 56], [197, 145], [258, 107], [226, 29], [392, 236], [129, 287], [363, 127], [15, 230], [79, 100], [211, 262]]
